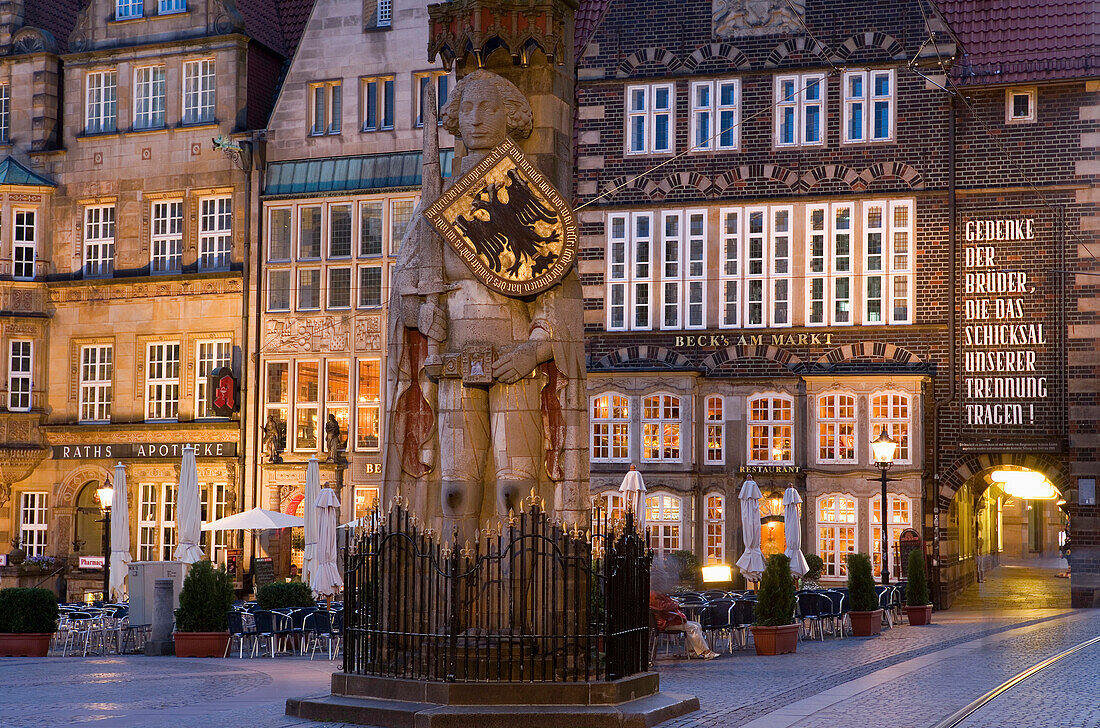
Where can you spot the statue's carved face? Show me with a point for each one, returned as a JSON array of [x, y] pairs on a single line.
[[482, 117]]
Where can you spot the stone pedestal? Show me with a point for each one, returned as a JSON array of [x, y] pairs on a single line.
[[160, 641]]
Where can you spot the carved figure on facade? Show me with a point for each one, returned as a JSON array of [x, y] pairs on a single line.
[[334, 441], [486, 361], [738, 18], [274, 438]]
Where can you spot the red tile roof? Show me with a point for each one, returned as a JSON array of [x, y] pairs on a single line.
[[54, 16], [588, 17], [1021, 41]]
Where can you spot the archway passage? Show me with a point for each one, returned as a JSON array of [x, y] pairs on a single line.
[[1003, 542], [88, 528]]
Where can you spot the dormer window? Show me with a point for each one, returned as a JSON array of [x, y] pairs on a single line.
[[1020, 106]]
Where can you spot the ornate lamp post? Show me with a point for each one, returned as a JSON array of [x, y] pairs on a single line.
[[106, 496], [883, 448]]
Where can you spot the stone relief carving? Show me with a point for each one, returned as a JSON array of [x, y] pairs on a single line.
[[741, 18], [368, 333], [326, 334]]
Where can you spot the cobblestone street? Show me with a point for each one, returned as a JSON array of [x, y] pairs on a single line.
[[914, 675]]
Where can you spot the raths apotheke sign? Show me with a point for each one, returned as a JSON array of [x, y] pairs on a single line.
[[1008, 338], [139, 450]]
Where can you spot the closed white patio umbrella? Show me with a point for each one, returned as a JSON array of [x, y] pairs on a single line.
[[792, 529], [325, 579], [188, 511], [313, 490], [120, 536], [633, 491], [751, 562]]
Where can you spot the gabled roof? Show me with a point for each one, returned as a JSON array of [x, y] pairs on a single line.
[[14, 173], [588, 17], [57, 17], [1022, 41]]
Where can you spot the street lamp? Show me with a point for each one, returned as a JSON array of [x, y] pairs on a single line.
[[883, 448], [106, 496]]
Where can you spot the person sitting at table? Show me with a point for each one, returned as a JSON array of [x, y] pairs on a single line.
[[670, 619]]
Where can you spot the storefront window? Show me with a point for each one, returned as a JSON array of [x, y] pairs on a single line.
[[716, 431], [337, 396], [305, 406], [368, 405], [664, 520], [716, 528], [836, 426], [661, 427], [891, 411], [836, 532], [899, 521]]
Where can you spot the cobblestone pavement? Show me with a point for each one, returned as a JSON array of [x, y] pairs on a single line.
[[914, 675]]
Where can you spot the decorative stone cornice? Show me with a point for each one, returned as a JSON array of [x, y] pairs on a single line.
[[139, 432], [143, 288], [461, 28]]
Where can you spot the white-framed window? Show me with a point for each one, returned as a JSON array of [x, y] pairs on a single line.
[[278, 290], [1020, 106], [101, 102], [900, 518], [370, 286], [890, 410], [649, 118], [126, 9], [730, 274], [371, 228], [277, 396], [756, 267], [20, 366], [310, 232], [326, 107], [442, 83], [368, 406], [661, 428], [339, 231], [306, 403], [162, 381], [337, 396], [24, 244], [780, 266], [280, 233], [339, 288], [215, 504], [715, 529], [610, 424], [888, 262], [34, 514], [836, 428], [198, 91], [715, 114], [5, 113], [618, 246], [147, 522], [771, 422], [817, 266], [841, 265], [664, 519], [695, 269], [385, 14], [641, 271], [167, 236], [800, 110], [401, 213], [901, 262], [167, 7], [99, 241], [869, 106], [149, 95], [96, 379], [378, 104], [672, 244], [309, 289], [209, 356], [836, 532], [716, 430], [168, 521], [365, 500], [215, 232]]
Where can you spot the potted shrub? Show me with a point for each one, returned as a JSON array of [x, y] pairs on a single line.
[[28, 619], [864, 610], [202, 628], [775, 631], [918, 608], [279, 594], [813, 573]]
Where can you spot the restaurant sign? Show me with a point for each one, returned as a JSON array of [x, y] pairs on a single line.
[[769, 470], [139, 450]]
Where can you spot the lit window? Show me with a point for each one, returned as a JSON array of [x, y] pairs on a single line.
[[368, 405], [198, 91], [125, 9], [25, 245], [305, 406], [649, 118], [309, 289], [279, 233], [891, 411], [99, 241], [365, 501], [338, 397], [800, 110], [277, 391], [5, 113], [610, 428], [661, 428], [167, 237], [715, 114], [663, 519], [868, 106], [610, 505], [327, 108], [101, 104], [836, 533], [215, 233], [836, 427], [210, 356], [770, 424], [34, 522], [339, 288], [900, 520], [20, 365], [378, 104], [278, 290], [716, 431], [162, 382], [420, 82], [149, 96], [716, 529], [96, 376], [1019, 106], [370, 286]]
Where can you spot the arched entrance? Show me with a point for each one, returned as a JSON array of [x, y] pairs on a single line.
[[88, 525], [773, 535]]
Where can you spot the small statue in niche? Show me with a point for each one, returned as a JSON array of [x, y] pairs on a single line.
[[333, 439], [273, 439]]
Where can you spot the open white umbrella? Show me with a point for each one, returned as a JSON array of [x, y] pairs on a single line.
[[313, 489], [325, 579], [120, 536], [633, 490], [256, 519], [792, 529], [188, 511], [751, 562]]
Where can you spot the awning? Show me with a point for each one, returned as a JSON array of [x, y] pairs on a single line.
[[349, 174]]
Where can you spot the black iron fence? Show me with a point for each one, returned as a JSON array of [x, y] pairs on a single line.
[[529, 599]]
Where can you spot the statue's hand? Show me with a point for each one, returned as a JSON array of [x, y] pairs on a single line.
[[517, 363], [432, 321]]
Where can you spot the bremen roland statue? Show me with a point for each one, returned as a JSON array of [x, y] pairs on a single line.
[[485, 374]]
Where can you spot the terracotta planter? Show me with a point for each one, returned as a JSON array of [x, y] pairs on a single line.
[[919, 615], [866, 624], [35, 644], [775, 640], [201, 644]]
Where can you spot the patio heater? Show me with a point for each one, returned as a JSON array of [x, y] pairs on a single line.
[[106, 496], [883, 448]]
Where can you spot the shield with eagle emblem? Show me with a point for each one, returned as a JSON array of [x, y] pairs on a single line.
[[508, 223]]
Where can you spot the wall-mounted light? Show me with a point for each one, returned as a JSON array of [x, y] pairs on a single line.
[[718, 572], [1025, 484]]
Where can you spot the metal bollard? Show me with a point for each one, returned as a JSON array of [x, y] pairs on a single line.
[[161, 641]]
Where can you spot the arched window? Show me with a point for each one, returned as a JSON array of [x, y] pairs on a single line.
[[770, 424], [716, 528], [611, 503], [716, 431], [891, 411], [661, 427], [836, 428], [610, 440], [664, 519], [836, 532], [900, 518]]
